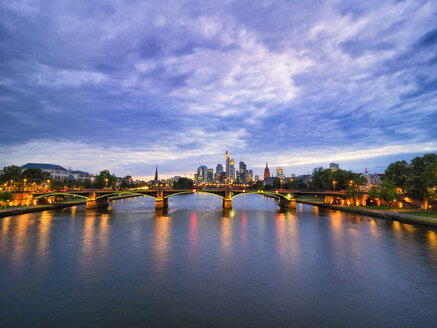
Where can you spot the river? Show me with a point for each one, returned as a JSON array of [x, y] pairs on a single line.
[[196, 266]]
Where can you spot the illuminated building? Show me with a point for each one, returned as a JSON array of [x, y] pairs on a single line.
[[210, 175], [280, 173], [334, 166], [228, 163], [231, 171]]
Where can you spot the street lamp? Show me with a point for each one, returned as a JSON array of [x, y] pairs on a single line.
[[24, 184], [334, 182], [106, 182]]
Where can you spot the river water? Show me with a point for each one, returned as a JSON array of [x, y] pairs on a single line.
[[196, 266]]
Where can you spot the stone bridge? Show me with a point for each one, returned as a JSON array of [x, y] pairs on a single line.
[[100, 198]]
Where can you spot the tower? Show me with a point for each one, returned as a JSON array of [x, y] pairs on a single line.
[[266, 172], [227, 164], [156, 174]]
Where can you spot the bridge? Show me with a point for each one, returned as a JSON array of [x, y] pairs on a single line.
[[100, 198]]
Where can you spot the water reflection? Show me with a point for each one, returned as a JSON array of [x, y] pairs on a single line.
[[226, 237], [432, 239], [162, 233], [88, 241], [5, 224], [193, 235], [104, 232], [43, 236], [281, 235], [243, 230]]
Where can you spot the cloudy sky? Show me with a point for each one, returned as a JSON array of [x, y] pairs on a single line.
[[125, 85]]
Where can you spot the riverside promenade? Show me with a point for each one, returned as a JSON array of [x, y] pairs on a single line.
[[384, 214]]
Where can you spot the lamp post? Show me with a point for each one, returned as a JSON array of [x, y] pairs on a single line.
[[24, 184], [12, 185], [48, 184], [106, 182], [334, 182]]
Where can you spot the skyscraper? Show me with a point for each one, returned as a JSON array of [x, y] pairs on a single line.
[[228, 160], [266, 171], [218, 173], [334, 166], [209, 175], [202, 174], [231, 171], [280, 173]]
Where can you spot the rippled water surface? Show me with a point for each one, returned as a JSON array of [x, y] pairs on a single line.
[[196, 266]]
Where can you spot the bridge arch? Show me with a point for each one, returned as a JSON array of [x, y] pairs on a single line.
[[287, 196], [115, 193], [59, 194]]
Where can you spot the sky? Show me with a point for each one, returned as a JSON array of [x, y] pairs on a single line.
[[127, 85]]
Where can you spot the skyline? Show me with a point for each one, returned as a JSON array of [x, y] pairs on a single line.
[[126, 86]]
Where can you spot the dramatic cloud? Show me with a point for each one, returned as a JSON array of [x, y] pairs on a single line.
[[124, 85]]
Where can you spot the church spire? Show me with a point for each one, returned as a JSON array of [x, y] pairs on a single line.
[[156, 173], [266, 171]]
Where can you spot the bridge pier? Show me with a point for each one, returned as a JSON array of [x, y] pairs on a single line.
[[227, 201], [287, 203], [93, 202], [161, 202]]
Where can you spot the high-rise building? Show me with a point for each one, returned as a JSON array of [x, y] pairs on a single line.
[[228, 163], [219, 169], [249, 176], [242, 173], [334, 166], [266, 171], [202, 174], [218, 172], [280, 173], [231, 176], [210, 176], [256, 178]]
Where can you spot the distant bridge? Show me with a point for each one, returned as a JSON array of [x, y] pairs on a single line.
[[100, 198]]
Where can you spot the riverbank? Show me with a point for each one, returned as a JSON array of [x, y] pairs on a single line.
[[388, 215], [38, 208]]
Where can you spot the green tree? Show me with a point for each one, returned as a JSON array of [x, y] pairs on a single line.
[[399, 172], [354, 192], [9, 173], [322, 179], [105, 180], [387, 191], [183, 183], [5, 197], [35, 175], [373, 193], [422, 184]]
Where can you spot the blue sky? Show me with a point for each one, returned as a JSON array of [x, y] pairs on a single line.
[[125, 85]]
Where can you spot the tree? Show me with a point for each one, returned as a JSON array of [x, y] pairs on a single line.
[[373, 192], [354, 192], [5, 197], [322, 179], [422, 184], [105, 179], [399, 172], [9, 173], [35, 175], [183, 183], [387, 192]]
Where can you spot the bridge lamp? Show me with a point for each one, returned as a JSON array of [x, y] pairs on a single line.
[[277, 191], [194, 190], [244, 190]]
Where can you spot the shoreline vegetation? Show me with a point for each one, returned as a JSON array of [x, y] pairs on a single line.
[[404, 215]]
